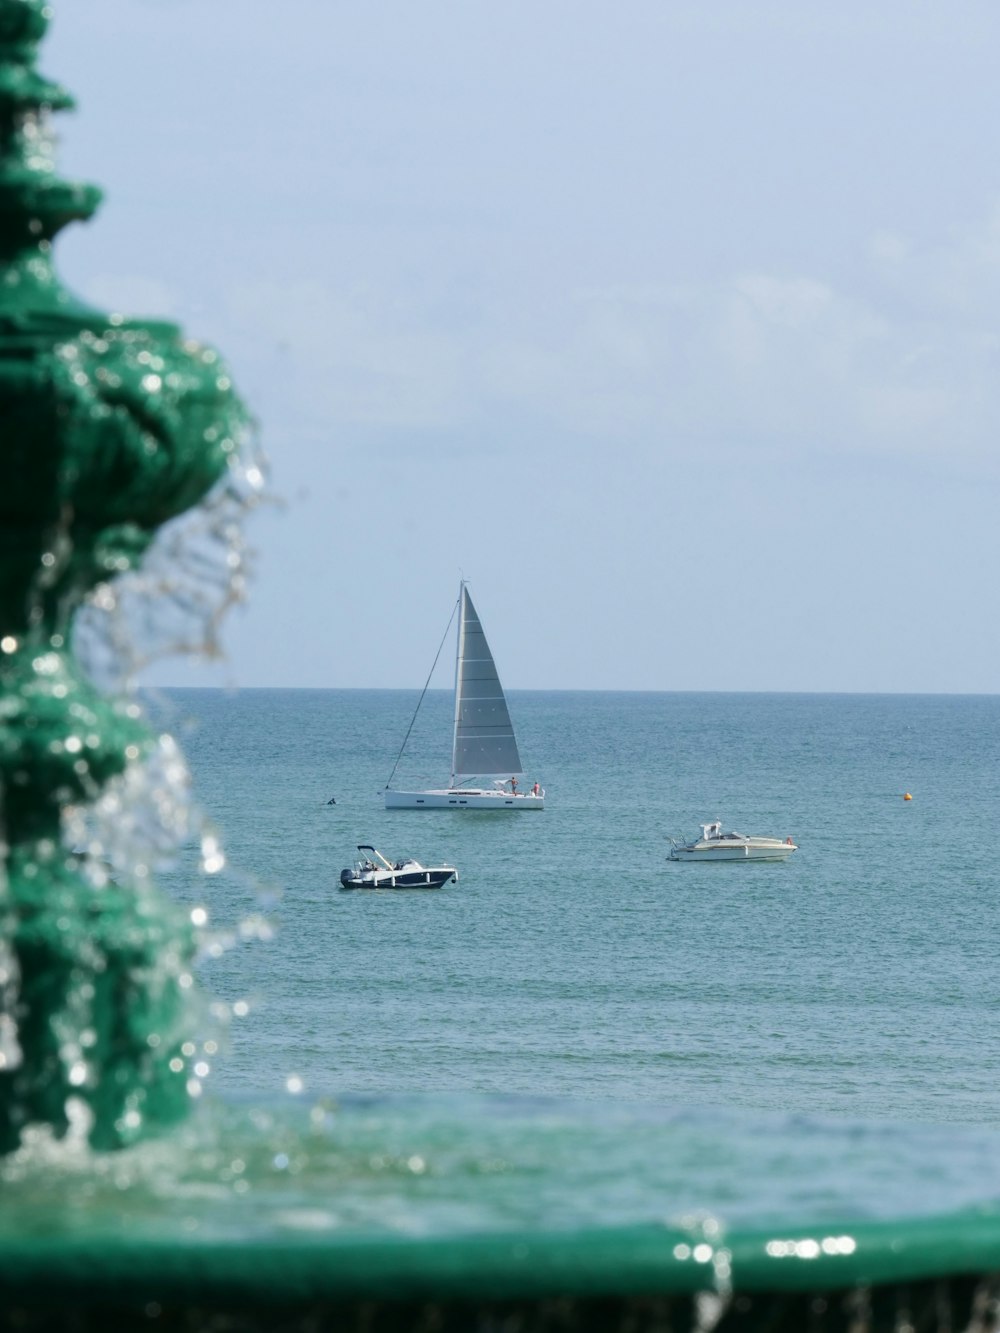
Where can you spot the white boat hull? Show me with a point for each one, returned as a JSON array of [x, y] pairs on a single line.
[[715, 845], [435, 878], [749, 851], [378, 872], [463, 798]]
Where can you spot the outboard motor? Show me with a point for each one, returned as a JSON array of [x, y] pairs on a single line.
[[346, 876]]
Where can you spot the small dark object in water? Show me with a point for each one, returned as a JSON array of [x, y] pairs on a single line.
[[332, 800]]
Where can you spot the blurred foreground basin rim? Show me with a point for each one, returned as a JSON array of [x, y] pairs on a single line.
[[622, 1262]]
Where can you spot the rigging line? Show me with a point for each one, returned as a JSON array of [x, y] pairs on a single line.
[[422, 693]]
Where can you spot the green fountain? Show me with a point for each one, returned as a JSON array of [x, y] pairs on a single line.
[[110, 428], [120, 1204]]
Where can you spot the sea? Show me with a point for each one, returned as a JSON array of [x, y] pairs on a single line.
[[581, 1031], [842, 1007], [573, 958]]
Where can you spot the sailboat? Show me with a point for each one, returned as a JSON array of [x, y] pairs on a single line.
[[483, 744]]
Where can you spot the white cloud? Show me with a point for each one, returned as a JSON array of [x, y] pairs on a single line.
[[898, 357], [907, 412], [888, 247], [793, 303], [359, 356]]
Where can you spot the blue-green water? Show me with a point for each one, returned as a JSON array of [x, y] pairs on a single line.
[[580, 1033], [572, 959]]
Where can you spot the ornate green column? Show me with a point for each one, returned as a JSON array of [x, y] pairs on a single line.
[[109, 427]]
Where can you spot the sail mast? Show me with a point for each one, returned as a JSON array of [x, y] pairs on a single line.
[[459, 640]]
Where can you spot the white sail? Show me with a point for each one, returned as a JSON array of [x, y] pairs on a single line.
[[484, 744], [484, 737]]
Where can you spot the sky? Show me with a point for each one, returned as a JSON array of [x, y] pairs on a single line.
[[673, 327]]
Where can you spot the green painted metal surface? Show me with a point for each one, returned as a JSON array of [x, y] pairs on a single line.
[[931, 1276], [624, 1261], [110, 427]]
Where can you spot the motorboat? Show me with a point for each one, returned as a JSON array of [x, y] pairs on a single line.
[[483, 740], [714, 845], [375, 871]]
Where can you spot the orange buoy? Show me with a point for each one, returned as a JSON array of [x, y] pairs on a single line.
[[907, 796]]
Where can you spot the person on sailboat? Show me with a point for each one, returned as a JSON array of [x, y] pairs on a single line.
[[513, 786], [536, 790]]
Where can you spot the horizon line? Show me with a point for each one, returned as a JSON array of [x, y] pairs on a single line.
[[618, 689]]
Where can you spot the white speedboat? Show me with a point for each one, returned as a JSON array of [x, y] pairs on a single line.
[[376, 871], [483, 741], [714, 845]]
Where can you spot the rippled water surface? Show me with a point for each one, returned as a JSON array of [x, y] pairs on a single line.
[[580, 1030], [572, 958], [436, 1166]]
